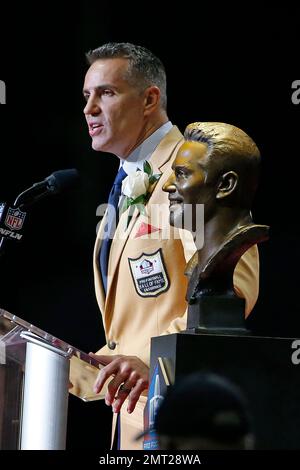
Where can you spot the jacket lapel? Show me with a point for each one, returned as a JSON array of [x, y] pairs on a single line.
[[164, 150], [118, 244]]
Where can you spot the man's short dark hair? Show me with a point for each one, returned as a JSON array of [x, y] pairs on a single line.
[[144, 69]]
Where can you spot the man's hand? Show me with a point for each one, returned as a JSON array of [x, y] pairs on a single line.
[[131, 378]]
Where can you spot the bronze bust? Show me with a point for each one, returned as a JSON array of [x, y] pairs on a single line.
[[217, 166]]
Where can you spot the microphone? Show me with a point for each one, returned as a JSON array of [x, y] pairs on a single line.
[[53, 184], [12, 217]]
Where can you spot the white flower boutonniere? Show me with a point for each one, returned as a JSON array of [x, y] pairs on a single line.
[[137, 187]]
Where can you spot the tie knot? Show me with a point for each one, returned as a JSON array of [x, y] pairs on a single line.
[[120, 176]]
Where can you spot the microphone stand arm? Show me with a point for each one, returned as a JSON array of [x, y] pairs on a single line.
[[31, 196]]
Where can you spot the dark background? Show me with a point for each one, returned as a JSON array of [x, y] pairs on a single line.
[[232, 65]]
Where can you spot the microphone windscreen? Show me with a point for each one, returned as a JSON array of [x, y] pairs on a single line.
[[63, 179]]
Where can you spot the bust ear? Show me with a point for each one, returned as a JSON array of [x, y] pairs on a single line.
[[227, 184]]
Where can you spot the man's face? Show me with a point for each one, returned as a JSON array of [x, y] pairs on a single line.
[[115, 109], [188, 184]]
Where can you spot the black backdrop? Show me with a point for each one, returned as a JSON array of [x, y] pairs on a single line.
[[232, 65]]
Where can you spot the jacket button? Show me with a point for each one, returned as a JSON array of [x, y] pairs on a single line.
[[111, 344]]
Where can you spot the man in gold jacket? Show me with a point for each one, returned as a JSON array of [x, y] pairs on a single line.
[[142, 294]]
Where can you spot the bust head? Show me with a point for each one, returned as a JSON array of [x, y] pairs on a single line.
[[218, 166]]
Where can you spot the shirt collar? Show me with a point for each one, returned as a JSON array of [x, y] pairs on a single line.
[[135, 159]]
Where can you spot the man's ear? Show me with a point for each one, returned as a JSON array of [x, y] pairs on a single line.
[[227, 184], [152, 97]]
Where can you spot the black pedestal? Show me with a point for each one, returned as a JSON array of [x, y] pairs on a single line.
[[261, 366]]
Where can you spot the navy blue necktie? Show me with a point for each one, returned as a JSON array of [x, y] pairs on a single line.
[[112, 220]]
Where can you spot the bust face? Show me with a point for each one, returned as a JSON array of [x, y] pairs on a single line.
[[187, 185]]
